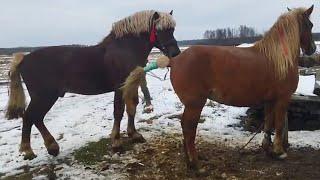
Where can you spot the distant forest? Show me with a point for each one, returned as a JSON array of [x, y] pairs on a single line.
[[230, 33], [230, 37], [225, 38], [10, 51]]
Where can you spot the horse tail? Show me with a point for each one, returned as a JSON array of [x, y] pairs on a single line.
[[132, 83], [136, 78], [17, 100]]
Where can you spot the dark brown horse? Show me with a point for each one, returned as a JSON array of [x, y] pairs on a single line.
[[266, 73], [51, 72]]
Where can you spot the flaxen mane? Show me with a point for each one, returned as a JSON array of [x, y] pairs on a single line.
[[281, 44], [140, 22]]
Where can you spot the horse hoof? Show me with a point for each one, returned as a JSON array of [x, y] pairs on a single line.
[[117, 145], [29, 155], [283, 156], [202, 172], [27, 152], [280, 156], [53, 149], [137, 138], [193, 165]]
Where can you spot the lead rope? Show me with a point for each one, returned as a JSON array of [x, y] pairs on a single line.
[[255, 134], [159, 78]]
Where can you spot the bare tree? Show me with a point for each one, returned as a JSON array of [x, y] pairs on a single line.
[[226, 33]]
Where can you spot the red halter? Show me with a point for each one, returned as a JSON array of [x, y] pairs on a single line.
[[153, 35]]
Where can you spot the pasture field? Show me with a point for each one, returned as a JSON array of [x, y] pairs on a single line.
[[4, 68], [82, 124]]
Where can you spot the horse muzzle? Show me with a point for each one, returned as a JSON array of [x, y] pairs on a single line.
[[173, 51], [312, 48]]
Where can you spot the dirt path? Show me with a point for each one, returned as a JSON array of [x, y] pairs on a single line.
[[163, 158]]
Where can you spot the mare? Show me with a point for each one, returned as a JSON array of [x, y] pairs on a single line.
[[266, 73]]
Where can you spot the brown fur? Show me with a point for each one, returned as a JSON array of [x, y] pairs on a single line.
[[50, 72], [17, 100], [258, 75]]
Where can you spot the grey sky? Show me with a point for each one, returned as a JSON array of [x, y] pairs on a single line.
[[56, 22]]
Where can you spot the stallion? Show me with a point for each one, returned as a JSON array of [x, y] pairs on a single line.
[[50, 72], [266, 73]]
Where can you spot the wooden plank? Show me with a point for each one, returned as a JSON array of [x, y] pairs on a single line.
[[301, 98]]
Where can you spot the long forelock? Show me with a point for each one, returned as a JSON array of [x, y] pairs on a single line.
[[272, 47], [140, 22]]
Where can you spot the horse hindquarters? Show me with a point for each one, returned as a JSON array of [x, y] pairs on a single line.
[[41, 78]]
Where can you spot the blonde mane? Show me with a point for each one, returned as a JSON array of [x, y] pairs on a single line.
[[141, 22], [281, 44]]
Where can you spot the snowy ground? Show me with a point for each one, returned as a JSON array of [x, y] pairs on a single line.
[[77, 119]]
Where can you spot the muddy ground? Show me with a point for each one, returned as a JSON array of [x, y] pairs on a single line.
[[162, 158]]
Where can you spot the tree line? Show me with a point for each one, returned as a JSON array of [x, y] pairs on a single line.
[[242, 31]]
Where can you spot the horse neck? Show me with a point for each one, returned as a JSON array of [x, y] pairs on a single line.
[[138, 46], [282, 39], [281, 46]]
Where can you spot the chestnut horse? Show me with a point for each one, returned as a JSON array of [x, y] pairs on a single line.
[[51, 72], [266, 73]]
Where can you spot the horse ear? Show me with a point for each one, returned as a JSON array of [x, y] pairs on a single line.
[[171, 12], [155, 16], [288, 9], [309, 11]]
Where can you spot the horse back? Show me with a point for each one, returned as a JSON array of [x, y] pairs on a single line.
[[63, 69], [230, 75]]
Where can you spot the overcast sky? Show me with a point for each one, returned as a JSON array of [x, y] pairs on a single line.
[[57, 22]]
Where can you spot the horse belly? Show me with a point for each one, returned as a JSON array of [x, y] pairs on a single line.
[[235, 96], [88, 85]]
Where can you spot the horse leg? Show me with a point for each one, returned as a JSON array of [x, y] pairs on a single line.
[[34, 114], [189, 123], [131, 111], [118, 114], [25, 147], [268, 124], [42, 105], [280, 109]]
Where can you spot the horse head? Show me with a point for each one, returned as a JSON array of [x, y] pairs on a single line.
[[163, 37], [306, 40]]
